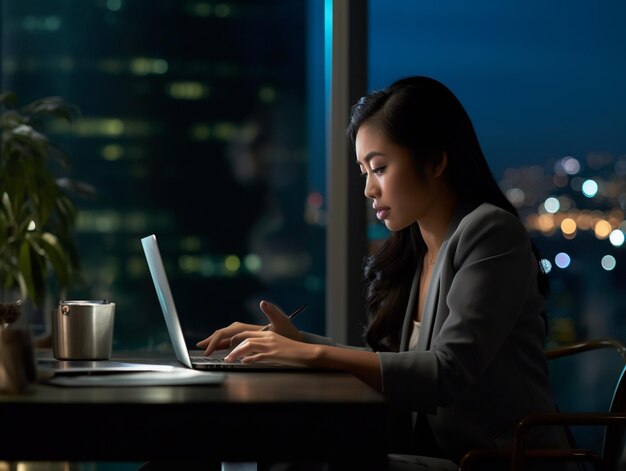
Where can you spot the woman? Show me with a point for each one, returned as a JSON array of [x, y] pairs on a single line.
[[455, 296]]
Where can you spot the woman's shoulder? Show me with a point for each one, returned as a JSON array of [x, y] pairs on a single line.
[[487, 213], [490, 219], [488, 210]]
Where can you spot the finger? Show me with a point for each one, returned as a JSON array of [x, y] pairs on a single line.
[[254, 358], [217, 341], [245, 348], [237, 352], [207, 344], [223, 344], [236, 339], [272, 312], [220, 339], [203, 343]]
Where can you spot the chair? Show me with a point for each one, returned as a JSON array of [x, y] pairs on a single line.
[[613, 420]]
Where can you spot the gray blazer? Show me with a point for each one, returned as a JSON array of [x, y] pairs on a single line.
[[479, 364]]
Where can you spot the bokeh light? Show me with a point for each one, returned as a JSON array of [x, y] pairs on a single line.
[[608, 262], [570, 165], [315, 200], [516, 196], [546, 265], [617, 238], [590, 188], [545, 223], [602, 229], [568, 226], [252, 262], [232, 263], [562, 260], [552, 205]]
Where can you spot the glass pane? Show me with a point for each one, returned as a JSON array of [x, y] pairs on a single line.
[[543, 86], [199, 123]]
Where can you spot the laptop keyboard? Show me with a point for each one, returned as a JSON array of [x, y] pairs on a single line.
[[209, 360]]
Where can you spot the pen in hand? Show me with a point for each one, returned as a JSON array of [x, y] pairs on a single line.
[[268, 326], [290, 316]]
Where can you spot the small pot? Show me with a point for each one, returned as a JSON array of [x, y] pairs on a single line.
[[83, 330]]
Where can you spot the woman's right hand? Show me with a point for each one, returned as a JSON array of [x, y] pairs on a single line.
[[222, 339]]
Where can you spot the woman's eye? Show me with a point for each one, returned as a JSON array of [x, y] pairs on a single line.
[[378, 170]]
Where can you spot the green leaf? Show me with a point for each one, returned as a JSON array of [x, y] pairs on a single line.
[[21, 283], [8, 98], [30, 133], [28, 144], [26, 269], [22, 227], [56, 255], [74, 186], [6, 204], [11, 118], [4, 232], [58, 156], [33, 182], [48, 193], [53, 106], [33, 269], [66, 211]]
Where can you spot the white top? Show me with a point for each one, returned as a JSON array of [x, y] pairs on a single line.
[[415, 334]]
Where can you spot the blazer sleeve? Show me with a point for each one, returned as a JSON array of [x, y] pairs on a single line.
[[488, 269], [307, 337], [321, 340]]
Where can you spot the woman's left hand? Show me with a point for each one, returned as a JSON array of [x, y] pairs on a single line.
[[269, 346]]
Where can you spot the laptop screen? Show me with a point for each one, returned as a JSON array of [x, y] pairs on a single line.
[[164, 293]]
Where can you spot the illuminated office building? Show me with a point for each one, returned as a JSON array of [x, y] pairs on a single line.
[[196, 121], [193, 126]]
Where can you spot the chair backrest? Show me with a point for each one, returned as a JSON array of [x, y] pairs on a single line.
[[614, 435]]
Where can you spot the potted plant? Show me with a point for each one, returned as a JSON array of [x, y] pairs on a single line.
[[37, 214]]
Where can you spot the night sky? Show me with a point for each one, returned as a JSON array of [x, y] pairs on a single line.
[[539, 79]]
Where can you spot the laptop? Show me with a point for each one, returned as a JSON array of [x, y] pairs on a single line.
[[191, 359], [97, 366]]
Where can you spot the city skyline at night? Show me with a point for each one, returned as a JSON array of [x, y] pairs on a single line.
[[235, 110], [192, 126]]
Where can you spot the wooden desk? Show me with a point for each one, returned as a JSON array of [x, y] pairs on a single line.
[[252, 416]]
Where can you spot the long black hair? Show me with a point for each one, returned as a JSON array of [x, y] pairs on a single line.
[[422, 115]]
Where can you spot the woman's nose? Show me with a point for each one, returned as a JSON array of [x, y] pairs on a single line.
[[370, 188]]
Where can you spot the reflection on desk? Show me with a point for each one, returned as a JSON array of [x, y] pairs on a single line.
[[315, 416], [172, 377]]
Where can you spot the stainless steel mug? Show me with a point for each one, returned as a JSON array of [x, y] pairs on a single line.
[[83, 330]]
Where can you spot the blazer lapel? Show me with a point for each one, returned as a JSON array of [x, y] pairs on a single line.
[[407, 326], [430, 305]]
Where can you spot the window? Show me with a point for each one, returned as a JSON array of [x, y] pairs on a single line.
[[199, 123], [543, 85]]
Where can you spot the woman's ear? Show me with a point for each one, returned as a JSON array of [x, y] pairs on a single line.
[[439, 164]]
